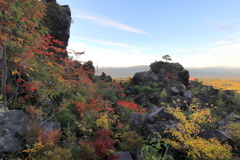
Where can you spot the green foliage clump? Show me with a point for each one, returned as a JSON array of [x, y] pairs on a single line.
[[65, 118], [130, 141], [236, 101], [155, 148], [233, 130], [163, 94]]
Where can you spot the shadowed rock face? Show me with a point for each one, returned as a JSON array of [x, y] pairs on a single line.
[[58, 20], [14, 125], [171, 70], [49, 1], [163, 72]]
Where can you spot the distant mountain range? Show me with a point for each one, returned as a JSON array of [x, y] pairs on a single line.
[[209, 72]]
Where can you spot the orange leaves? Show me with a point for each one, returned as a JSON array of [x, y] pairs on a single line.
[[3, 5], [92, 104], [49, 137], [34, 112], [46, 141], [56, 41], [34, 86], [79, 105], [132, 106], [170, 76], [24, 19]]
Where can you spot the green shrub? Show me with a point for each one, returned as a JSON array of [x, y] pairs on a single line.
[[65, 118], [233, 130], [130, 141], [155, 148], [163, 94]]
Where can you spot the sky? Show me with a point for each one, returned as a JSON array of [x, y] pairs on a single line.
[[123, 33]]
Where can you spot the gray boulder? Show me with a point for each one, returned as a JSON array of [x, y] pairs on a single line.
[[154, 114], [124, 155], [176, 69], [142, 78], [13, 126], [234, 116], [174, 91], [187, 94], [136, 121], [50, 126], [221, 136], [159, 121]]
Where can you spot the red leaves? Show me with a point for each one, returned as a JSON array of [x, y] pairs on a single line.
[[132, 106], [20, 80], [80, 106], [92, 104], [103, 146], [8, 89], [34, 86], [170, 76], [24, 19]]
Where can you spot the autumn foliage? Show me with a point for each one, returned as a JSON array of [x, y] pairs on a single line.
[[101, 147], [185, 136], [131, 105], [92, 112]]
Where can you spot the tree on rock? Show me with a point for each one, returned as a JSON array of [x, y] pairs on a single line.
[[167, 57]]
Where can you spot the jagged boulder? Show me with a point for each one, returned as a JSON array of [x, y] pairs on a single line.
[[124, 155], [50, 1], [174, 71], [142, 78], [58, 20], [105, 77], [159, 121], [174, 91], [163, 80], [89, 68], [136, 121], [50, 126], [221, 136], [13, 126]]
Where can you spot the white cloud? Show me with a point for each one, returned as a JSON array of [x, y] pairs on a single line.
[[226, 49], [227, 54], [224, 55], [104, 42], [108, 22], [181, 49], [113, 57]]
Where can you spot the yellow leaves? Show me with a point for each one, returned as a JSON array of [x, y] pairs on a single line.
[[14, 72], [207, 149], [3, 2], [19, 39], [16, 60], [84, 127], [50, 64], [233, 130], [103, 121], [185, 135], [223, 84], [31, 69]]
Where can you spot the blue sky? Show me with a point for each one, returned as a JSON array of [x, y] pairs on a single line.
[[195, 33]]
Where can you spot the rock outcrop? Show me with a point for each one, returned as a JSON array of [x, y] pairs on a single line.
[[168, 84], [170, 71], [14, 125], [58, 20]]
